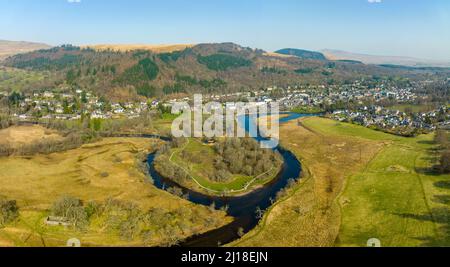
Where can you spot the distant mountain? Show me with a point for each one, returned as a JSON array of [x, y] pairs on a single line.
[[383, 60], [305, 54], [10, 48]]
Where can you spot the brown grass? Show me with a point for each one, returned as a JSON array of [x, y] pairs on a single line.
[[163, 48], [273, 54], [23, 135], [36, 182]]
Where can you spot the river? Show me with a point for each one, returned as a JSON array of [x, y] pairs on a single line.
[[242, 208]]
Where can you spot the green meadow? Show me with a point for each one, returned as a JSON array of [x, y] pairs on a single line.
[[397, 197], [358, 184]]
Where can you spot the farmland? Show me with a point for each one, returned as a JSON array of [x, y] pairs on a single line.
[[358, 184]]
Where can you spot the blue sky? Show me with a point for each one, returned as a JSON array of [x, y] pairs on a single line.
[[419, 28]]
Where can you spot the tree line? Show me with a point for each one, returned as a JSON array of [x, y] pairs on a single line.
[[442, 139], [155, 226]]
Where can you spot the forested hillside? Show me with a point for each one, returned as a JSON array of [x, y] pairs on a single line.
[[206, 68]]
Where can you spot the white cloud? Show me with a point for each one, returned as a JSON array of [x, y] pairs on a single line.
[[374, 1], [73, 1]]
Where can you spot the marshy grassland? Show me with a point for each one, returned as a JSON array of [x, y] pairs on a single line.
[[358, 184], [24, 135], [98, 172]]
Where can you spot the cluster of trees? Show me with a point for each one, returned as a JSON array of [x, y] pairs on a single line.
[[72, 210], [5, 121], [165, 167], [14, 99], [273, 70], [223, 62], [93, 127], [155, 226], [46, 63], [186, 82], [304, 70], [438, 91], [442, 138], [140, 75], [141, 164], [177, 192], [144, 71], [9, 211], [171, 57], [242, 156], [141, 124]]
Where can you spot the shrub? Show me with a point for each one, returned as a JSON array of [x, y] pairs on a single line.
[[8, 211], [72, 209], [445, 162]]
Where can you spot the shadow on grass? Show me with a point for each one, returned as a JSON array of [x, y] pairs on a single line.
[[442, 184], [432, 171], [440, 216], [442, 199], [426, 142]]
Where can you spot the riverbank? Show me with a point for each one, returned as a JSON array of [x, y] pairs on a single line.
[[244, 209], [362, 184], [309, 214]]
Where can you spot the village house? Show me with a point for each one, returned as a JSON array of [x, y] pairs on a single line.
[[48, 94], [57, 221]]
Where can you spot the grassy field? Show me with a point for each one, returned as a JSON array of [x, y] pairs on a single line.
[[358, 184], [201, 170], [94, 172], [23, 135]]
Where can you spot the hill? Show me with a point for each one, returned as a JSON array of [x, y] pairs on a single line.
[[9, 48], [132, 73], [305, 54], [383, 60]]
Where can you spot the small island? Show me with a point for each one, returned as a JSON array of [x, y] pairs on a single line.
[[222, 166]]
